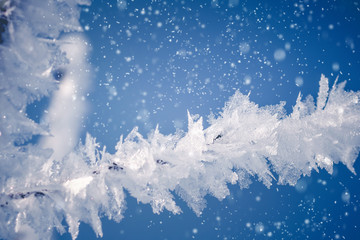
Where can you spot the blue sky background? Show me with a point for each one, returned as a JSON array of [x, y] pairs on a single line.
[[154, 60]]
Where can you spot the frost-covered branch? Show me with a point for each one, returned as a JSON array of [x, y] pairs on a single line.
[[245, 142]]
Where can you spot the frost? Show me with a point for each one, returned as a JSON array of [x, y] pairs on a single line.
[[63, 181], [76, 186], [323, 93]]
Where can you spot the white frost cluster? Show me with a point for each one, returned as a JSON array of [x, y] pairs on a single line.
[[244, 143]]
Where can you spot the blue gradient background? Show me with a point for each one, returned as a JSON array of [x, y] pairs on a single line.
[[155, 60]]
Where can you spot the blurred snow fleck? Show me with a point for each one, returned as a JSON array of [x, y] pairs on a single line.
[[128, 59], [214, 3], [178, 124], [112, 91], [287, 46], [121, 4], [233, 3], [279, 55], [345, 196], [247, 80], [301, 186], [299, 81], [244, 47], [259, 227], [335, 67]]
